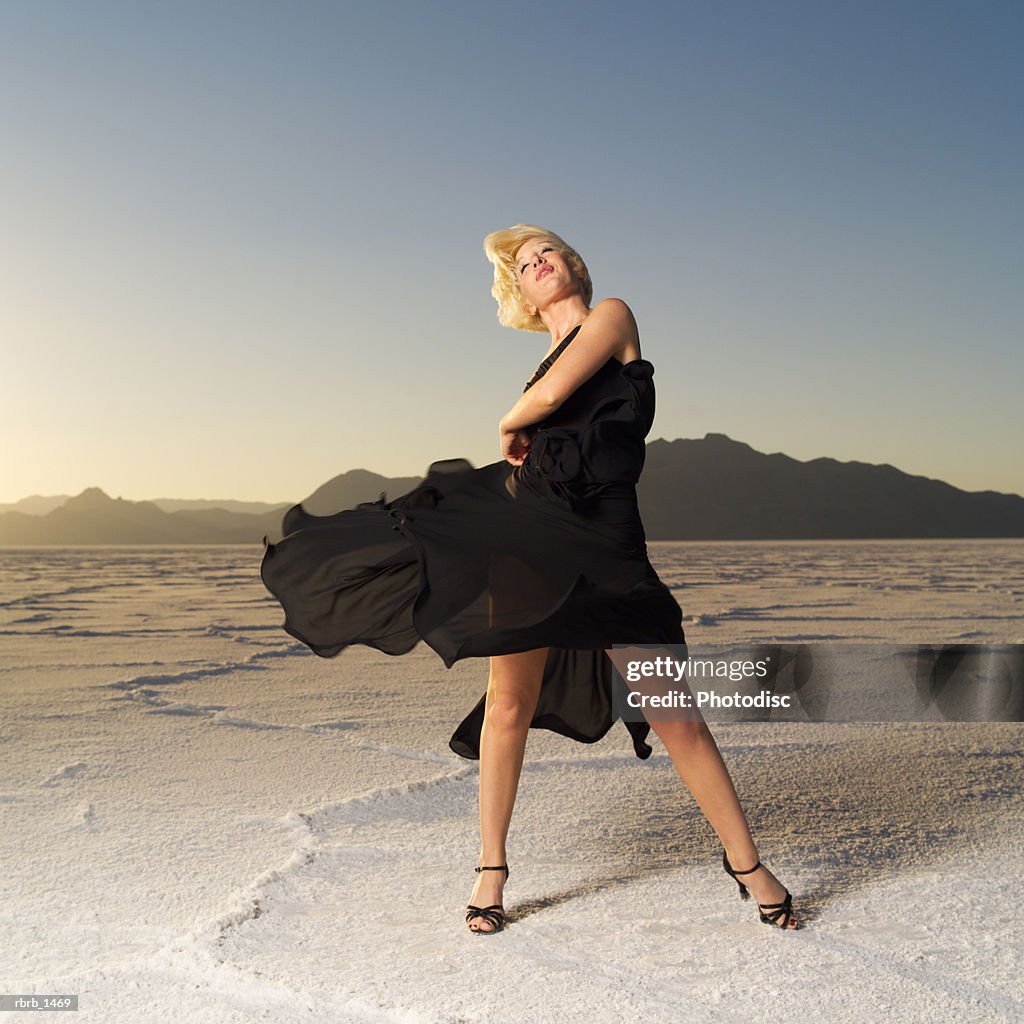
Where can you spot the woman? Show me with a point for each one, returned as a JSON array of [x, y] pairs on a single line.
[[538, 562]]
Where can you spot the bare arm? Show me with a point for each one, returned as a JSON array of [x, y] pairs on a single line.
[[607, 330]]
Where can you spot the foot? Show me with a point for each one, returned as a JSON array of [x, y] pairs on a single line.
[[488, 892], [766, 889]]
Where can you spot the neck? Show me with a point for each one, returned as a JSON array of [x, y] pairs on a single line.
[[563, 315]]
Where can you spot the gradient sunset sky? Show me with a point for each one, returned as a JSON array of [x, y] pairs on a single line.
[[242, 242]]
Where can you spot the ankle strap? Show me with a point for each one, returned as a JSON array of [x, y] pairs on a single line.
[[748, 871], [495, 867]]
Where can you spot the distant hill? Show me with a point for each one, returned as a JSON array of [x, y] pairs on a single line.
[[714, 488], [93, 517], [348, 489], [40, 505], [35, 504], [228, 504], [720, 489]]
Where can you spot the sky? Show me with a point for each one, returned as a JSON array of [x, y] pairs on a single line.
[[241, 243]]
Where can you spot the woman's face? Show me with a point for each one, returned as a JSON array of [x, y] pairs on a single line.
[[543, 273]]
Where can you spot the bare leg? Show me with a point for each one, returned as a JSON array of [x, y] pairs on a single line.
[[513, 688], [699, 763]]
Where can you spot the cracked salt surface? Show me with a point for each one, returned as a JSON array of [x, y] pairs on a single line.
[[201, 819]]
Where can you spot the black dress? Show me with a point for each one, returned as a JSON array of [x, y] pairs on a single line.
[[501, 559]]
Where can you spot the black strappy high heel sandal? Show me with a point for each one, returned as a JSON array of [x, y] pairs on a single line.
[[494, 915], [783, 909]]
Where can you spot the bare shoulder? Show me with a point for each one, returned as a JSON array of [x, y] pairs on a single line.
[[613, 310], [615, 315]]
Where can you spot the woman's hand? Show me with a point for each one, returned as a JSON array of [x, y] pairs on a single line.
[[515, 444]]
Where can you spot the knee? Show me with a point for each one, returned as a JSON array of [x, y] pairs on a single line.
[[681, 734], [508, 711]]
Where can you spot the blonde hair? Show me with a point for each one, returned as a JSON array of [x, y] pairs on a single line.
[[501, 248]]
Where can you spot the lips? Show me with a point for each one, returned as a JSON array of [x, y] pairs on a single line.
[[543, 272]]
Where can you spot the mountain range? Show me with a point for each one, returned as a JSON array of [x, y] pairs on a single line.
[[713, 488]]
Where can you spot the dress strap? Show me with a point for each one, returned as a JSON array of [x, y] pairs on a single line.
[[549, 361]]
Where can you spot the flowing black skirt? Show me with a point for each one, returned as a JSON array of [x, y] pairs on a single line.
[[478, 562]]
